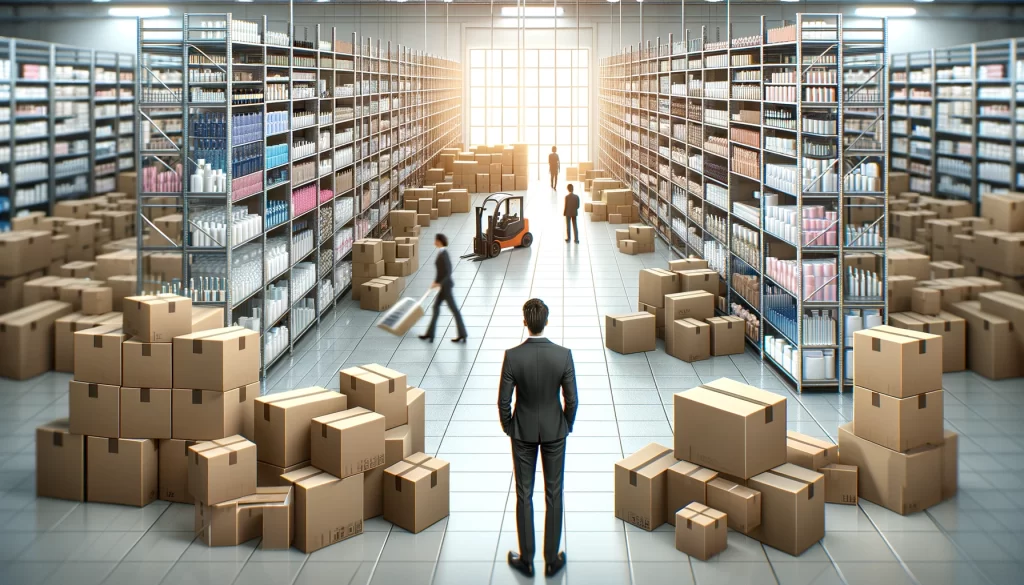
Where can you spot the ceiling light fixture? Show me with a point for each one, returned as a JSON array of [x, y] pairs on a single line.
[[613, 1], [532, 11], [139, 11], [100, 1], [924, 1], [245, 1], [714, 1], [789, 0], [884, 11]]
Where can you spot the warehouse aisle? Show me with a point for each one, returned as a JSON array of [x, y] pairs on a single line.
[[625, 402]]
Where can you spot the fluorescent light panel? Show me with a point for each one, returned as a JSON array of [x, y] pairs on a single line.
[[139, 11], [885, 11], [532, 11]]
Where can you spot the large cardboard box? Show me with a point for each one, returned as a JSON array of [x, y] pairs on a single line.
[[327, 509], [367, 251], [173, 474], [688, 340], [416, 492], [992, 348], [808, 452], [368, 269], [700, 531], [23, 252], [640, 486], [730, 427], [685, 483], [727, 335], [60, 462], [267, 513], [203, 415], [222, 470], [348, 442], [282, 422], [376, 388], [415, 400], [909, 264], [121, 471], [703, 279], [840, 483], [903, 482], [793, 508], [699, 305], [1005, 211], [740, 503], [1009, 306], [145, 413], [897, 362], [632, 333], [900, 424], [157, 318], [655, 283], [94, 409], [217, 359], [146, 365], [26, 339], [66, 326]]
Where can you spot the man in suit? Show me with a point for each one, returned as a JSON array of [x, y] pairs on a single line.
[[554, 166], [443, 281], [570, 211], [535, 371]]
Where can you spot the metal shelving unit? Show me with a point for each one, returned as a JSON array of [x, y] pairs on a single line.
[[338, 130], [720, 139], [49, 130]]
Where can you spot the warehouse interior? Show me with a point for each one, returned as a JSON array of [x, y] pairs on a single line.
[[794, 302]]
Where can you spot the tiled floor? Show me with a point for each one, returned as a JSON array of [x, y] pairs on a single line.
[[978, 537]]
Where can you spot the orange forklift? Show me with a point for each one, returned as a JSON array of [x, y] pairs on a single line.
[[506, 227]]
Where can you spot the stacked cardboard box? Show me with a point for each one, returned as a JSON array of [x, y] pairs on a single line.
[[367, 263], [637, 239], [27, 339], [905, 459], [24, 255]]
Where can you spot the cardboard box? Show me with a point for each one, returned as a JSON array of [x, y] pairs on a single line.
[[727, 335], [23, 252], [460, 200], [909, 264], [897, 362], [27, 338], [640, 486], [423, 219], [730, 427], [12, 293], [367, 251], [327, 509], [840, 483], [376, 388], [688, 340], [216, 359], [282, 422], [222, 470], [992, 349], [146, 365], [173, 476], [699, 305], [369, 269], [900, 424], [632, 333], [399, 267], [950, 464], [121, 471], [124, 262], [348, 442], [927, 301], [377, 295], [145, 413], [741, 504], [683, 264], [808, 452], [60, 462], [416, 492], [522, 183], [1007, 305], [123, 287], [903, 482], [702, 279], [80, 269], [900, 292], [267, 513], [98, 354], [157, 319], [94, 409], [700, 531], [204, 415], [685, 483], [444, 207], [655, 283], [97, 300], [1005, 211], [793, 508]]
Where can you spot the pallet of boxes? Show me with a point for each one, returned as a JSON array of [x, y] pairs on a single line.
[[636, 239]]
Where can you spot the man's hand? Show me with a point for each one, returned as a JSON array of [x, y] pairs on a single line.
[[435, 285]]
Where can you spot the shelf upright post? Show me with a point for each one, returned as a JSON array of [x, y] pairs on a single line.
[[841, 102], [92, 117], [761, 246], [799, 192], [975, 196]]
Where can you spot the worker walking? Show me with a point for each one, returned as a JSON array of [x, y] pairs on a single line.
[[443, 281], [554, 166], [571, 210]]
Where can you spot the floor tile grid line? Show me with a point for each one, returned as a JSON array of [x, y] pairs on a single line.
[[888, 545], [963, 552]]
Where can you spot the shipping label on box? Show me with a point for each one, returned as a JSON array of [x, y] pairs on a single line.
[[700, 531], [640, 486], [897, 362], [900, 424], [840, 483], [685, 483], [903, 482], [145, 413], [808, 452], [217, 359], [121, 471], [347, 443], [60, 462], [416, 492], [793, 508], [222, 470], [146, 365], [210, 414], [157, 318], [282, 422], [741, 504], [174, 471]]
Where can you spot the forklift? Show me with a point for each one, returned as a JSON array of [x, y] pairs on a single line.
[[506, 227]]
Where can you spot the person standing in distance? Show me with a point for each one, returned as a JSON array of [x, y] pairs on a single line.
[[554, 166], [535, 371], [443, 281], [571, 210]]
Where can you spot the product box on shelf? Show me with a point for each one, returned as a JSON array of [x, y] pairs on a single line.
[[283, 421], [416, 492], [60, 462], [121, 471]]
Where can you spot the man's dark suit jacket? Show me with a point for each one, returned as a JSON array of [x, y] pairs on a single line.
[[537, 369], [444, 270], [572, 205]]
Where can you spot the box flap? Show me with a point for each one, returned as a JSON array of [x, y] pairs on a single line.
[[299, 396], [220, 334], [801, 438], [347, 418]]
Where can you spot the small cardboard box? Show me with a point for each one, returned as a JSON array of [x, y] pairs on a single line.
[[348, 442], [146, 365], [94, 409], [1005, 211], [282, 422], [991, 345], [688, 340], [900, 424], [415, 400], [897, 362], [222, 469], [377, 295], [270, 475], [840, 483], [640, 486], [367, 251], [655, 283], [617, 219], [685, 483], [793, 508], [926, 301], [682, 264], [630, 247], [267, 513], [376, 388], [27, 338], [157, 319], [730, 427], [632, 333], [60, 462], [399, 267], [808, 452], [216, 359], [727, 335], [121, 471], [700, 531], [97, 300], [740, 503], [703, 279], [98, 354], [174, 471], [23, 252], [903, 482], [423, 219], [145, 413], [204, 415], [444, 207], [327, 509], [416, 492]]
